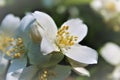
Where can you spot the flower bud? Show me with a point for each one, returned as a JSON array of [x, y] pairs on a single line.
[[35, 33]]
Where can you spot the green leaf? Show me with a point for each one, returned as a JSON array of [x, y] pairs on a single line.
[[29, 73]]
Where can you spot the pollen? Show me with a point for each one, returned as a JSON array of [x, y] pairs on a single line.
[[4, 42], [16, 48], [44, 75], [64, 39]]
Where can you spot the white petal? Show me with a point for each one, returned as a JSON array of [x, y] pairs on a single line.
[[10, 24], [48, 45], [76, 28], [82, 71], [111, 53], [76, 63], [82, 54], [116, 73], [17, 64], [4, 63], [25, 24], [46, 23], [14, 75]]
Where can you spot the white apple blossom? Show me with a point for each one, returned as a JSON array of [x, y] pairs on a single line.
[[65, 40], [111, 53]]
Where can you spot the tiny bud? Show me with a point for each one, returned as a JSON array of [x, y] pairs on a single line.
[[35, 33]]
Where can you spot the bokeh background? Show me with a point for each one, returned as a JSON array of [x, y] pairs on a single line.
[[99, 31]]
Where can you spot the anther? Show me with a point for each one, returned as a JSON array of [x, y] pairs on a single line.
[[64, 39], [71, 43], [11, 39], [67, 27], [45, 72]]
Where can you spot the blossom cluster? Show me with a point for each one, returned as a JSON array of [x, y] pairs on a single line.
[[34, 49]]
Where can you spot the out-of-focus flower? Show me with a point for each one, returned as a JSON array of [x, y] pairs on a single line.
[[110, 10], [2, 3], [111, 53], [65, 40], [8, 28], [21, 47], [74, 12], [61, 9], [107, 8]]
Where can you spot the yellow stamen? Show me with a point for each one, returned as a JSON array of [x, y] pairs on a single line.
[[64, 39], [44, 75], [17, 49], [4, 42], [11, 39], [71, 43]]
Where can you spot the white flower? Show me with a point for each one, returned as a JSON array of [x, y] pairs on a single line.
[[107, 8], [8, 29], [111, 53], [65, 40]]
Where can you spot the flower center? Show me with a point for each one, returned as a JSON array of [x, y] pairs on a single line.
[[16, 48], [64, 39]]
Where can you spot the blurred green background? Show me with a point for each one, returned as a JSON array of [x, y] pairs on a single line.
[[99, 32]]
